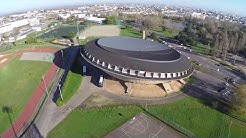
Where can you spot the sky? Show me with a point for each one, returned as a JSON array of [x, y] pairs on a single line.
[[237, 7]]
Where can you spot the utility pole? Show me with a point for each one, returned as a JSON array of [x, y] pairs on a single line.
[[62, 58], [77, 28]]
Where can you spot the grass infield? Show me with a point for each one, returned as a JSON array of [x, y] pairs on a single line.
[[18, 80]]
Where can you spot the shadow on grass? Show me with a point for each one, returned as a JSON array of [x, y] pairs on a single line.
[[8, 110], [65, 59]]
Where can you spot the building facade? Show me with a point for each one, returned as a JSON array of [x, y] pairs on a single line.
[[137, 60]]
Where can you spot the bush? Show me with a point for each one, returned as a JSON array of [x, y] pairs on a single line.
[[155, 38], [31, 40], [59, 102], [71, 35], [110, 20]]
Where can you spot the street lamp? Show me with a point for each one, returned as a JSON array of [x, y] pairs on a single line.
[[45, 86], [59, 87], [62, 58]]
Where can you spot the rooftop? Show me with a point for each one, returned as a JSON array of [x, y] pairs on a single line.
[[130, 44]]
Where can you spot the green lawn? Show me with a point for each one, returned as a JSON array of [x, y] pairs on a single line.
[[130, 32], [70, 87], [190, 115], [200, 48], [237, 130], [62, 31], [167, 34], [93, 123], [18, 80], [200, 68], [21, 47], [187, 115]]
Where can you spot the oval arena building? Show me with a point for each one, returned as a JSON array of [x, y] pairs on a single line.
[[137, 60]]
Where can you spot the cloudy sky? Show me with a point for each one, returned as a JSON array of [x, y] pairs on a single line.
[[230, 6]]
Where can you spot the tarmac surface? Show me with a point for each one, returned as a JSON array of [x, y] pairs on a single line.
[[37, 56], [52, 115], [143, 126]]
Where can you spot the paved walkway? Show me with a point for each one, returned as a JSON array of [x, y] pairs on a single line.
[[141, 101], [53, 115]]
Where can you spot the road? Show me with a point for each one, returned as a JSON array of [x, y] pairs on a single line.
[[208, 63]]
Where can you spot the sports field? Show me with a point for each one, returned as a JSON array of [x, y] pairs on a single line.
[[18, 80], [101, 31], [62, 31], [188, 116]]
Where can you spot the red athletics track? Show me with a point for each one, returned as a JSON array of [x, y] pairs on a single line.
[[30, 107]]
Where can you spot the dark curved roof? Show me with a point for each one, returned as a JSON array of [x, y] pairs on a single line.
[[130, 44], [138, 54]]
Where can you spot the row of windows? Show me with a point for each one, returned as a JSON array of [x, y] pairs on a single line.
[[133, 72]]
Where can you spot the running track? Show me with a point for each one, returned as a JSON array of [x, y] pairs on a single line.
[[32, 104]]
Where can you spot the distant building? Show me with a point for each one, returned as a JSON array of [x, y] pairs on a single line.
[[20, 36], [81, 16], [10, 26], [95, 19], [40, 27], [33, 21], [11, 39], [198, 15], [64, 16]]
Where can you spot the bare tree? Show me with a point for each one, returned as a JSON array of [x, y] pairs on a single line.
[[225, 45]]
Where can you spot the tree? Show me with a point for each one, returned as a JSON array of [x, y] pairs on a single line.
[[31, 40], [155, 38], [240, 99], [225, 45], [70, 20], [71, 35], [151, 23], [110, 20]]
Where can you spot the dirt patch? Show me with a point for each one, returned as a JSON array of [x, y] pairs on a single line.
[[147, 91], [97, 100], [176, 86], [136, 90], [139, 90], [3, 60], [100, 31]]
